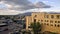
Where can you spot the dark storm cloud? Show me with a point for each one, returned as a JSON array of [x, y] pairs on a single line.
[[24, 4]]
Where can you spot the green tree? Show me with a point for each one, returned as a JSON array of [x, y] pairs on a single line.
[[36, 27]]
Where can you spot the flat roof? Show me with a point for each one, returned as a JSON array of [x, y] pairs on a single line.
[[53, 12], [2, 24]]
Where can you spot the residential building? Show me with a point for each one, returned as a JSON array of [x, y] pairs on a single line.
[[4, 28]]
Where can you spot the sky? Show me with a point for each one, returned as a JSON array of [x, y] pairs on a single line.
[[21, 6], [54, 3]]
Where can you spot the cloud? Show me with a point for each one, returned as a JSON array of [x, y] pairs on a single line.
[[9, 12], [23, 4], [41, 5]]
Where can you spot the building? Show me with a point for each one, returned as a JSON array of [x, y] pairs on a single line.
[[50, 21], [4, 28]]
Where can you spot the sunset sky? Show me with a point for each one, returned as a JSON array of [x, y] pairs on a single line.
[[20, 6]]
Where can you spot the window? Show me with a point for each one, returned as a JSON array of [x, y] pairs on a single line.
[[46, 20], [34, 20], [44, 23], [41, 20], [51, 21], [47, 24], [29, 27], [58, 21], [58, 16], [51, 24], [38, 20], [57, 25], [55, 21], [52, 16]]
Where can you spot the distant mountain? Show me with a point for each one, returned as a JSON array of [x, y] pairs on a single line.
[[25, 14]]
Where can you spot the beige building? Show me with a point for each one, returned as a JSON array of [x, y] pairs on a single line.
[[50, 21]]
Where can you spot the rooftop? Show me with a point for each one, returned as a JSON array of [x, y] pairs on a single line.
[[2, 24], [53, 12]]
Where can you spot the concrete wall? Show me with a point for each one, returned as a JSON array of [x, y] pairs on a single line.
[[47, 25]]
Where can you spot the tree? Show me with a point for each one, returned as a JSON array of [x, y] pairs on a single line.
[[36, 27]]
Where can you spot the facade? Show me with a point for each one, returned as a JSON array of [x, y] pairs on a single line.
[[50, 21]]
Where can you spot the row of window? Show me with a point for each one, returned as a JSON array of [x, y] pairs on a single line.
[[51, 21], [51, 25], [52, 16], [48, 25]]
